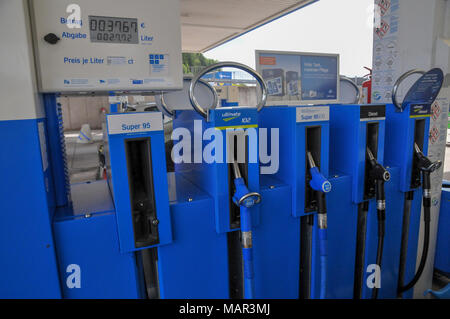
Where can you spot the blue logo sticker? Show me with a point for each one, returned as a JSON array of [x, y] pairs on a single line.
[[326, 187]]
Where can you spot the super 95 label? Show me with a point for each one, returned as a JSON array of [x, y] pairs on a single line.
[[132, 123], [313, 114]]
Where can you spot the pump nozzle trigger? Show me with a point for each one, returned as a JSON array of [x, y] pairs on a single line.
[[378, 172], [318, 181], [425, 164], [242, 196]]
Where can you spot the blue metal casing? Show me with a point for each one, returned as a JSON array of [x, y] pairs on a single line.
[[57, 155], [277, 239], [348, 127], [442, 259], [195, 264], [292, 126], [213, 177], [342, 223], [348, 143], [87, 238], [28, 265], [276, 243], [400, 127]]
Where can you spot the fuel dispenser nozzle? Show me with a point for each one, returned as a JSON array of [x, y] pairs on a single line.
[[245, 200], [242, 196], [318, 181], [426, 167], [379, 175], [321, 186]]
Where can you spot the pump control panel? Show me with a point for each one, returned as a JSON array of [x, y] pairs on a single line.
[[104, 45]]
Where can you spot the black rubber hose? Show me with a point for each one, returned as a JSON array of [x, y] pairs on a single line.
[[409, 197], [426, 240], [381, 229], [423, 259], [381, 219], [361, 230]]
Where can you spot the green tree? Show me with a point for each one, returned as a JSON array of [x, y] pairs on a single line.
[[193, 61]]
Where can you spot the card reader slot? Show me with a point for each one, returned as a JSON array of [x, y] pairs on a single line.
[[142, 196]]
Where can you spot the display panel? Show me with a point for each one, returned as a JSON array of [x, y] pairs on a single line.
[[113, 30], [295, 78], [93, 46]]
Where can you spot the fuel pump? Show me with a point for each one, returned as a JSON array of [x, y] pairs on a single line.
[[426, 167], [408, 126], [358, 199], [86, 240], [299, 268], [230, 131]]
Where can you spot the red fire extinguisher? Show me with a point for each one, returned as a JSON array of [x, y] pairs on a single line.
[[367, 88]]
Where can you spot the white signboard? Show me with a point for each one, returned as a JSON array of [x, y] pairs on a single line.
[[132, 123], [295, 78]]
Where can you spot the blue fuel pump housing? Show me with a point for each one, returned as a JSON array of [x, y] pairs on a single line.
[[139, 180], [234, 126], [352, 207], [293, 274]]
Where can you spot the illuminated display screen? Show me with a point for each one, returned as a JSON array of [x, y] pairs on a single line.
[[113, 30]]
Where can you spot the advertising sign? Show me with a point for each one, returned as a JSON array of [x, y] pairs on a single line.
[[295, 78]]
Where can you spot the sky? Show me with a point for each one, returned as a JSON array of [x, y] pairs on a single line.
[[327, 26]]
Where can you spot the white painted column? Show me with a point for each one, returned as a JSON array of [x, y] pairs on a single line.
[[415, 35], [18, 89]]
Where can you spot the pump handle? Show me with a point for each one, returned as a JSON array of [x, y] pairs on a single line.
[[166, 110], [425, 164], [220, 65], [397, 85]]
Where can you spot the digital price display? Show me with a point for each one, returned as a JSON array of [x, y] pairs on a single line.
[[113, 30]]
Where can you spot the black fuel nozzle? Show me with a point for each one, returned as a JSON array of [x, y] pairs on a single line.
[[424, 163], [379, 175], [426, 167], [377, 171], [321, 186]]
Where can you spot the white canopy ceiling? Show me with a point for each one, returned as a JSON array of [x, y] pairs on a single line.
[[206, 24]]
